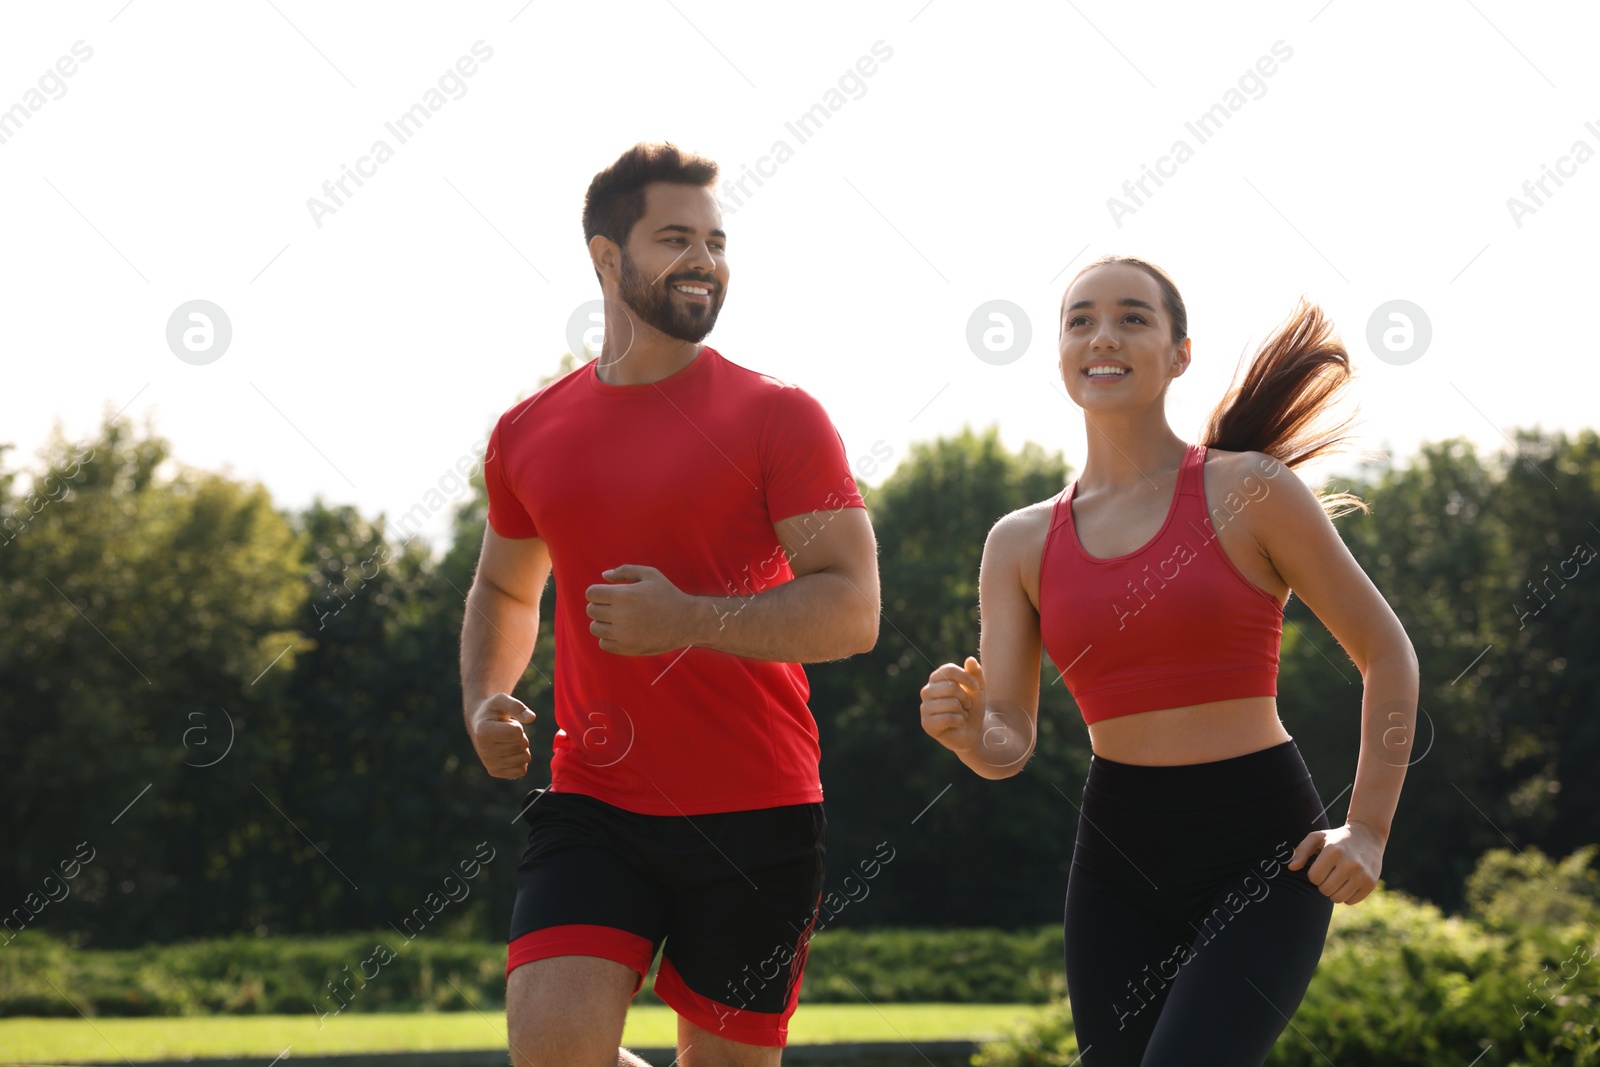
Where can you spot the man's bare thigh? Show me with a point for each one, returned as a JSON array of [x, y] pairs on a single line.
[[701, 1048], [568, 1010]]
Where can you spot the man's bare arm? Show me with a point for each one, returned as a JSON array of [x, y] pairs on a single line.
[[828, 611], [498, 632]]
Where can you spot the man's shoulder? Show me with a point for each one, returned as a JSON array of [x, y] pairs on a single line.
[[757, 381], [518, 417]]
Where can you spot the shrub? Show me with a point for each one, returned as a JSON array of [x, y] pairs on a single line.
[[1400, 983], [1509, 889]]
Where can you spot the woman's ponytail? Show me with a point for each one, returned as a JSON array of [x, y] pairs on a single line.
[[1294, 377]]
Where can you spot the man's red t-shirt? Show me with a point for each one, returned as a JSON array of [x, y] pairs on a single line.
[[687, 475]]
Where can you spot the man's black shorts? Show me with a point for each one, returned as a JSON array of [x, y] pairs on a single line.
[[733, 894]]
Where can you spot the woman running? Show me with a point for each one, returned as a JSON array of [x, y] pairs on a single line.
[[1205, 870]]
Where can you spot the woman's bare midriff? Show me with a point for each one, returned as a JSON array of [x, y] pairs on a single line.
[[1194, 733]]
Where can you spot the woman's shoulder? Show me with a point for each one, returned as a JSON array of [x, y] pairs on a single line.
[[1016, 544], [1023, 531], [1240, 472], [1281, 504], [1244, 462]]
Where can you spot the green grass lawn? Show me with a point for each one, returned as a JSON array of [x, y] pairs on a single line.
[[66, 1040]]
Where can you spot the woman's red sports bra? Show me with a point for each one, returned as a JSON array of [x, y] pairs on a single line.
[[1170, 624]]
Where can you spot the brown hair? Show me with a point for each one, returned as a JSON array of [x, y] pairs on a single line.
[[1293, 378], [615, 200]]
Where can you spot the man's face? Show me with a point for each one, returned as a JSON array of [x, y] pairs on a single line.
[[674, 267]]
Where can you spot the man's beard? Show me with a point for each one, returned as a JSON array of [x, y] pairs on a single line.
[[657, 307]]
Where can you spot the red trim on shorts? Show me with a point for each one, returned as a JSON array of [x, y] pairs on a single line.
[[723, 1020], [578, 939], [738, 1024]]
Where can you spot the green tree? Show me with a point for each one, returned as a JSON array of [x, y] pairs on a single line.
[[141, 609], [986, 853], [1509, 719]]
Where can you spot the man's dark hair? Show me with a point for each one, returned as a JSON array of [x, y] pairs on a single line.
[[615, 200]]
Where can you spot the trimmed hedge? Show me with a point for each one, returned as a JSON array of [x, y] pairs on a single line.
[[1514, 981], [246, 975]]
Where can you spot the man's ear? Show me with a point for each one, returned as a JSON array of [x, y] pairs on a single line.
[[606, 256]]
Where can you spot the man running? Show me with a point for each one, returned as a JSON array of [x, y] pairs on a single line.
[[707, 538]]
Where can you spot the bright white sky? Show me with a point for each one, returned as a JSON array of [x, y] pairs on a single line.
[[973, 164]]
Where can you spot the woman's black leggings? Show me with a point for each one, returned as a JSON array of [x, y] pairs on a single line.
[[1188, 940]]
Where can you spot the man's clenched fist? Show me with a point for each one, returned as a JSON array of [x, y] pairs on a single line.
[[495, 726]]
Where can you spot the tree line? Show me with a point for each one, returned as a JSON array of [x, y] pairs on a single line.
[[220, 715]]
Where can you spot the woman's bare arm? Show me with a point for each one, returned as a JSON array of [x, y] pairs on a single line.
[[986, 711], [1295, 533]]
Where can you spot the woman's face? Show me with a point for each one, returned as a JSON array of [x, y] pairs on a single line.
[[1112, 316]]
